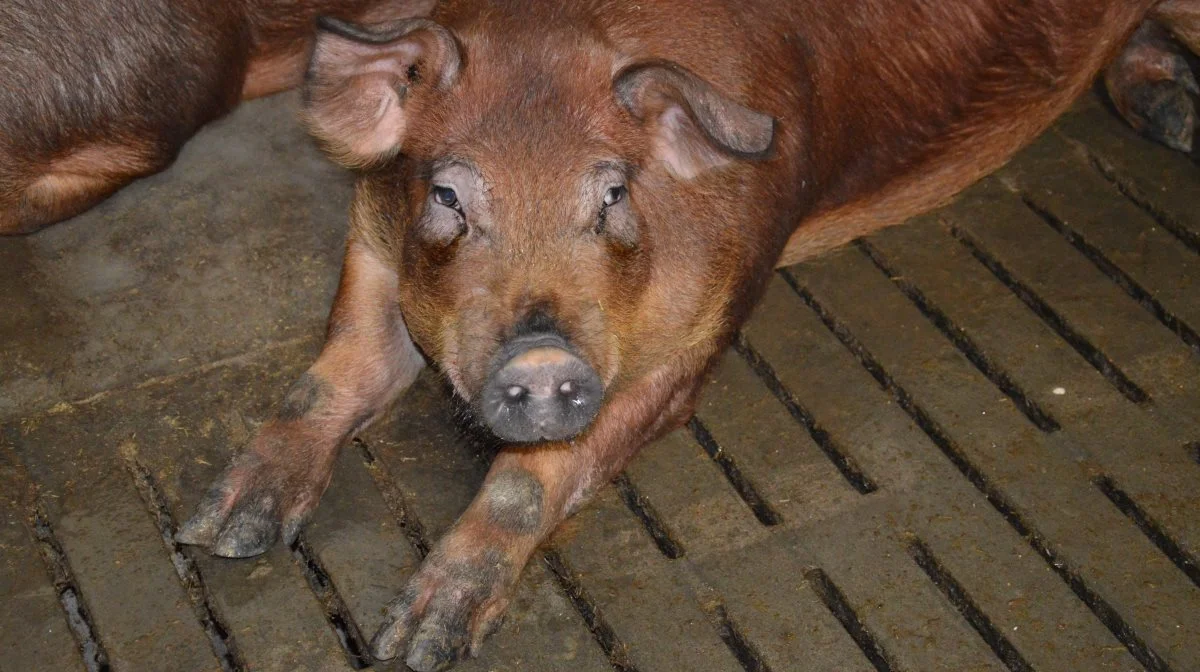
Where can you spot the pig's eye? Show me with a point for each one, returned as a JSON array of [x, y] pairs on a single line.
[[446, 196], [614, 195]]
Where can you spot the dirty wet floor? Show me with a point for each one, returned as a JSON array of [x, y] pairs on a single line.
[[968, 443]]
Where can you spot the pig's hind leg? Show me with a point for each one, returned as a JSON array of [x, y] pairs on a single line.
[[34, 197], [269, 490], [1153, 87], [97, 93]]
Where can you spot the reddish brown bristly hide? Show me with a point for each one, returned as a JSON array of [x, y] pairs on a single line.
[[569, 208], [97, 93]]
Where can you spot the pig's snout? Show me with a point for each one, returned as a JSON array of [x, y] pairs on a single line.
[[541, 391]]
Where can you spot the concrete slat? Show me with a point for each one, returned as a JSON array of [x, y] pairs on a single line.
[[770, 447], [650, 603], [141, 614], [33, 626], [265, 602], [1089, 302], [1100, 425], [681, 482], [1078, 521], [1055, 179], [765, 592], [1012, 585], [1165, 180]]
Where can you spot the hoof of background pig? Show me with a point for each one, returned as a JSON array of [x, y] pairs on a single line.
[[1165, 111], [448, 609], [1152, 86], [247, 510]]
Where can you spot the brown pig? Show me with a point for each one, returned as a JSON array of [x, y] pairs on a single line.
[[570, 207]]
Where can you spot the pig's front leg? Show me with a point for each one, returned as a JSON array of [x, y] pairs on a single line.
[[368, 359], [458, 596]]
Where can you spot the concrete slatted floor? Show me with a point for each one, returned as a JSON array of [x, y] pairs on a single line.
[[968, 443]]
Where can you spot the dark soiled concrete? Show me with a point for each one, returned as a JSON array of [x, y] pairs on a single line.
[[234, 249], [33, 626], [967, 444]]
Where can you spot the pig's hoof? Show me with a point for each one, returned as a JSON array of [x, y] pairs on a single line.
[[1154, 89], [1165, 111], [250, 506], [448, 609]]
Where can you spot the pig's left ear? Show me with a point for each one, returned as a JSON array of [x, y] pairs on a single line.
[[359, 81], [695, 128]]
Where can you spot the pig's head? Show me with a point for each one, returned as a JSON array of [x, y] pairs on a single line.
[[528, 192]]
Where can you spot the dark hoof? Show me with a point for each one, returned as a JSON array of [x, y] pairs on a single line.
[[204, 526], [436, 647], [446, 612], [1168, 112], [243, 514], [250, 530]]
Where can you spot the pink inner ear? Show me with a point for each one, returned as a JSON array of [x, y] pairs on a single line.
[[388, 63], [380, 131], [681, 145], [356, 102]]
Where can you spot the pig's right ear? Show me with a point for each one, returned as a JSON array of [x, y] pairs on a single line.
[[359, 80]]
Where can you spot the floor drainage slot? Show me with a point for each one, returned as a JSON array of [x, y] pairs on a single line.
[[957, 595], [331, 602], [1054, 320], [1185, 235], [749, 657], [836, 602], [745, 489], [650, 518], [412, 528], [218, 632], [846, 465], [1030, 408], [614, 649], [95, 659], [1119, 277], [1153, 531], [1112, 620]]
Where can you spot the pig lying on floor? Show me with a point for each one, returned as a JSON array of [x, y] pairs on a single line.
[[569, 208]]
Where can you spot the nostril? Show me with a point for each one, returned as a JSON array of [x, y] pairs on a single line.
[[516, 393], [572, 393]]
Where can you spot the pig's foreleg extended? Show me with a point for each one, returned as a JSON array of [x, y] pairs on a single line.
[[271, 488], [459, 595]]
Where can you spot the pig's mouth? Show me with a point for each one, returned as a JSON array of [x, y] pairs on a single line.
[[539, 390]]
